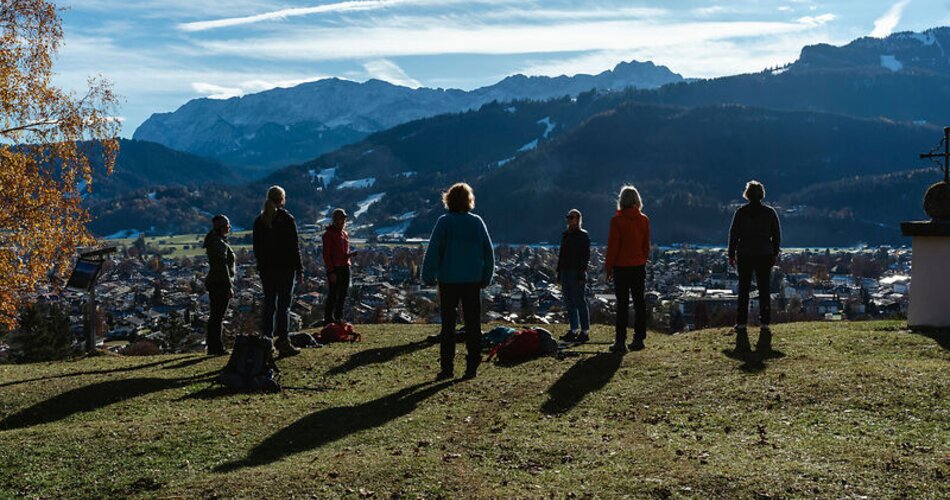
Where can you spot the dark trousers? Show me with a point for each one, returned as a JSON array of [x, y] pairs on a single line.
[[219, 306], [278, 290], [336, 296], [469, 294], [761, 266], [631, 281]]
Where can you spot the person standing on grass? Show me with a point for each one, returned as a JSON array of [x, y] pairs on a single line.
[[572, 260], [336, 256], [628, 248], [219, 282], [461, 260], [277, 250], [755, 239]]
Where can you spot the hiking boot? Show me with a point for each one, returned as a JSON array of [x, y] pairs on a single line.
[[285, 349], [434, 339], [582, 337], [636, 345], [570, 336], [469, 374], [764, 345], [444, 375], [742, 341], [618, 348]]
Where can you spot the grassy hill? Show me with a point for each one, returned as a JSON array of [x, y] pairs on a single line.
[[844, 410]]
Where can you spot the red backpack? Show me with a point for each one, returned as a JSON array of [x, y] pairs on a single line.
[[337, 332], [521, 345]]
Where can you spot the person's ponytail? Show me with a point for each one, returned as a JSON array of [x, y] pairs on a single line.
[[275, 199]]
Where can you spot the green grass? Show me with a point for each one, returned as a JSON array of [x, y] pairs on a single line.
[[847, 410], [181, 245]]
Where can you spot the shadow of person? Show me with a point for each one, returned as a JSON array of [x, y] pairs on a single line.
[[942, 337], [753, 361], [585, 377], [90, 372], [194, 360], [332, 424], [377, 356], [90, 398]]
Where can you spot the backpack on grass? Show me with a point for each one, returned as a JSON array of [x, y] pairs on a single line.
[[337, 332], [497, 336], [522, 345], [251, 367]]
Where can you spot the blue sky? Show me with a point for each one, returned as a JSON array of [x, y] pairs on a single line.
[[161, 53]]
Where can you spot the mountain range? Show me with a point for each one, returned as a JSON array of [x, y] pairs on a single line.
[[259, 132], [833, 135]]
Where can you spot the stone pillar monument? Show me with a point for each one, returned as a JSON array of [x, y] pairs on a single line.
[[930, 275]]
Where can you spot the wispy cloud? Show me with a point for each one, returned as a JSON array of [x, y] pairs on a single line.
[[438, 37], [215, 91], [386, 70], [817, 20], [334, 8], [885, 24]]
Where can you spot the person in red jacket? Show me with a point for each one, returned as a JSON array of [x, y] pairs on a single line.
[[336, 256], [628, 247]]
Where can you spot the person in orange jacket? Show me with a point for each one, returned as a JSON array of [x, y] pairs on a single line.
[[628, 248]]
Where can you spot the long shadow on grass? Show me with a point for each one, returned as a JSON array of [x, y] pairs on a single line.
[[91, 372], [332, 424], [377, 356], [755, 361], [585, 377], [92, 397], [942, 337]]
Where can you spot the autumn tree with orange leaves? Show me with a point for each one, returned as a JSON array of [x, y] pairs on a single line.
[[46, 138]]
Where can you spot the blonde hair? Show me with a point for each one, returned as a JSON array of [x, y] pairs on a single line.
[[275, 199], [629, 197], [754, 191], [459, 198], [580, 217]]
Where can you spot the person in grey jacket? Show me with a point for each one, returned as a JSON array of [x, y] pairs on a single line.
[[461, 260], [220, 280], [755, 240]]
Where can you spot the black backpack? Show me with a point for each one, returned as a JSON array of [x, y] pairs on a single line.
[[251, 367]]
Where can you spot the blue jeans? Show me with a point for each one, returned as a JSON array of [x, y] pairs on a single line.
[[575, 300], [278, 291]]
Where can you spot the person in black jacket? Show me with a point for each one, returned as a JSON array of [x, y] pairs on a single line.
[[277, 250], [754, 243], [572, 260], [220, 280]]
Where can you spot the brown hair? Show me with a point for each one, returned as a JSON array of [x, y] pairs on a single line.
[[275, 199], [754, 191], [459, 198]]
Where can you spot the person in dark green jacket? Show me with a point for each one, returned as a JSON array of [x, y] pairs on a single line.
[[220, 280], [461, 260]]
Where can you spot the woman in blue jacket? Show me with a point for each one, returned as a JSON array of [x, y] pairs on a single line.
[[461, 260]]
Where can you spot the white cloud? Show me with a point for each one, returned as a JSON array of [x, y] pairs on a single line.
[[439, 37], [214, 91], [388, 71], [348, 6], [707, 59], [817, 20], [885, 24], [785, 8]]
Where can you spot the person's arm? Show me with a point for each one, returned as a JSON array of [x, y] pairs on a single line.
[[646, 237], [488, 256], [585, 257], [329, 248], [295, 242], [560, 257], [257, 243], [733, 237], [776, 234], [431, 261], [613, 247], [776, 237]]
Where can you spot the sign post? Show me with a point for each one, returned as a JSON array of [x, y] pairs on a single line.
[[83, 279]]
